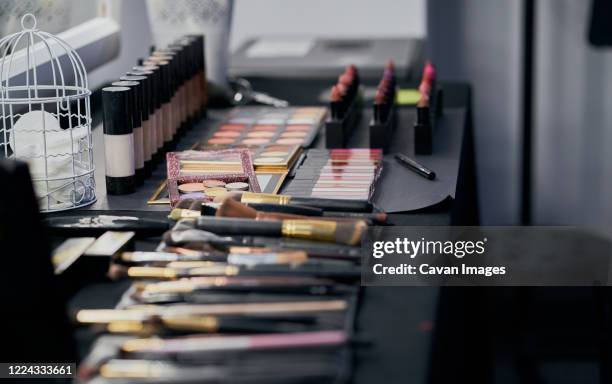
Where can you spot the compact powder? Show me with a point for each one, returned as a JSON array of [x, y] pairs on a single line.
[[220, 141], [273, 153], [227, 134], [213, 183], [257, 141], [238, 186], [191, 187], [294, 134], [193, 195], [231, 127], [262, 160], [261, 134], [292, 128], [215, 191], [290, 141]]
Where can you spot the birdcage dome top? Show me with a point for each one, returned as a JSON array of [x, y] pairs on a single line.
[[36, 66]]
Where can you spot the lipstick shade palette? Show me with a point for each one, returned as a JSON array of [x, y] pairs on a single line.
[[348, 174], [259, 126]]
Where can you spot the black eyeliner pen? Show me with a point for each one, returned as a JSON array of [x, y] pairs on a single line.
[[415, 166]]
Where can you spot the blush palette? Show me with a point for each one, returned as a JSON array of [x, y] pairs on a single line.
[[254, 126], [348, 174]]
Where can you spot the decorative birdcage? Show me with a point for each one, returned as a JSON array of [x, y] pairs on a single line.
[[45, 116]]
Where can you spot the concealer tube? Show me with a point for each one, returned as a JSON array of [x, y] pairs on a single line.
[[159, 110], [145, 79], [135, 110], [166, 111], [172, 57], [155, 121], [118, 141], [182, 91]]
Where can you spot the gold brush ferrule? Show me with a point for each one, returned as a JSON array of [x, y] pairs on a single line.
[[197, 324], [129, 326], [135, 345], [152, 272], [133, 369], [181, 213], [310, 229], [264, 198]]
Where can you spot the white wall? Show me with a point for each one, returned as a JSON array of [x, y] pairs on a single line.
[[334, 18]]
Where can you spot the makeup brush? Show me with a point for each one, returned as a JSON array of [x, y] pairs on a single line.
[[217, 344], [328, 231], [200, 238], [202, 324], [232, 208], [325, 204], [334, 103], [377, 217], [143, 312]]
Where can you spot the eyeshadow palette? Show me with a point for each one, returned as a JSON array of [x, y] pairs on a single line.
[[348, 174], [259, 126], [268, 158], [207, 174]]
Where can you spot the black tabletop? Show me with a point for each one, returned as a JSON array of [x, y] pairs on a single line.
[[397, 324]]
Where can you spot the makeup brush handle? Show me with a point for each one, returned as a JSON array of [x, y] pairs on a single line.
[[293, 209], [288, 216], [235, 226], [334, 204]]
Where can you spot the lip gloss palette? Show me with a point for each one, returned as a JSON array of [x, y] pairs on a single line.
[[348, 174], [255, 126]]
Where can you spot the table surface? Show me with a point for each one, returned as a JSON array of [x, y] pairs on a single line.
[[397, 323]]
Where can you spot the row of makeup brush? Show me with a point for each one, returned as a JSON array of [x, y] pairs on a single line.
[[261, 292]]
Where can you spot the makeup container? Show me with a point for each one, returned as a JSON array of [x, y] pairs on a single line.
[[182, 87], [193, 98], [165, 91], [164, 127], [199, 43], [272, 128], [118, 141], [135, 107], [204, 175], [157, 133], [429, 107], [384, 116], [144, 78], [148, 114], [346, 174], [345, 107], [169, 58]]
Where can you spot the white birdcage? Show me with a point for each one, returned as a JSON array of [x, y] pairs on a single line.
[[45, 116]]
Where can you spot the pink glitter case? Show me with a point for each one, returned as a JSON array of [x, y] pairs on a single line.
[[177, 175]]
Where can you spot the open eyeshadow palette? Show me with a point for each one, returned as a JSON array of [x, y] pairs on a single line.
[[207, 174], [349, 174], [254, 126], [268, 158]]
